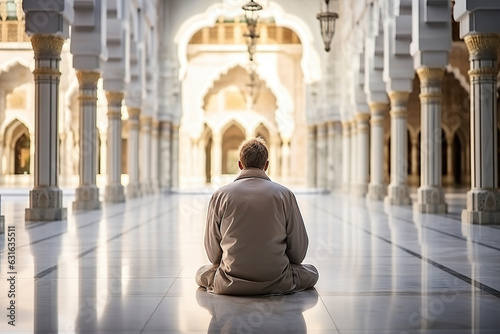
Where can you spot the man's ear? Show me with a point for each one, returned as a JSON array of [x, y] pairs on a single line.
[[240, 165], [266, 165]]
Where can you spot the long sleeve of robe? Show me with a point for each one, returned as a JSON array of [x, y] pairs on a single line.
[[254, 233]]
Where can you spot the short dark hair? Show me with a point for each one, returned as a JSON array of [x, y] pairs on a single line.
[[254, 153]]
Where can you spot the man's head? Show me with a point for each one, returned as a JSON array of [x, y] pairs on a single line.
[[254, 153]]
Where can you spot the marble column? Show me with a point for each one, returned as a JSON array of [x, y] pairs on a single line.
[[165, 162], [2, 220], [274, 163], [414, 176], [398, 193], [311, 156], [155, 163], [354, 175], [331, 146], [430, 193], [346, 157], [145, 152], [175, 156], [483, 200], [377, 188], [450, 167], [363, 155], [46, 197], [285, 159], [216, 159], [114, 191], [321, 158], [133, 187], [87, 193]]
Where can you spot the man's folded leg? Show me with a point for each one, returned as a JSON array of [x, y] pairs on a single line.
[[205, 275], [305, 276]]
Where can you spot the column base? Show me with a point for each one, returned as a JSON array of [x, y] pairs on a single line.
[[114, 193], [430, 200], [397, 195], [134, 190], [87, 198], [346, 188], [376, 192], [146, 188], [45, 205], [359, 190], [155, 188], [483, 207]]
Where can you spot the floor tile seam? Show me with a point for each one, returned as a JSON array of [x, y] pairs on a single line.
[[401, 294], [428, 228], [329, 314], [406, 220], [157, 306], [452, 272], [78, 228], [464, 278], [92, 249]]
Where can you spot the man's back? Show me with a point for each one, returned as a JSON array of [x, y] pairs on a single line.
[[255, 236], [259, 227]]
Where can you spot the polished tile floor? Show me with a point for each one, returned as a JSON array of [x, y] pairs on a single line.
[[130, 269]]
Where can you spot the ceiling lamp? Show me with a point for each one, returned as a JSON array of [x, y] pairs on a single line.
[[251, 44], [327, 24], [252, 10]]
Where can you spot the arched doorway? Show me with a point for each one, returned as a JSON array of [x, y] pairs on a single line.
[[22, 155], [231, 141], [17, 149]]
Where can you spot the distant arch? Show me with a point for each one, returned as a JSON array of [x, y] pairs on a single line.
[[233, 136]]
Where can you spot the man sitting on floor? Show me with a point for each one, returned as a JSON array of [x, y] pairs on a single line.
[[255, 236]]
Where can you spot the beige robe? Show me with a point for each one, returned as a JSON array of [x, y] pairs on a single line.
[[254, 234]]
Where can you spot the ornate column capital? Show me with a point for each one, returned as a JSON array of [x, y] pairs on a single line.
[[399, 101], [482, 45], [430, 84], [114, 97], [165, 128], [321, 129], [362, 120], [145, 120], [47, 46], [155, 128], [115, 101], [134, 113], [362, 117], [88, 78], [378, 111], [430, 75]]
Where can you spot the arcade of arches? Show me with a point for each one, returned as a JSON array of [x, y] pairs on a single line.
[[164, 104]]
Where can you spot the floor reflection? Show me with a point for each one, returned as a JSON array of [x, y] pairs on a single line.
[[130, 268], [272, 314]]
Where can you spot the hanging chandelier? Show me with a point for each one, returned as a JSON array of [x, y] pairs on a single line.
[[327, 24], [252, 11], [253, 87]]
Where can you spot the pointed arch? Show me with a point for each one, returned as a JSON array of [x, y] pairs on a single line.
[[310, 63], [16, 147], [233, 135]]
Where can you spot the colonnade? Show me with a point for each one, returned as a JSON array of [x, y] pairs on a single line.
[[147, 134]]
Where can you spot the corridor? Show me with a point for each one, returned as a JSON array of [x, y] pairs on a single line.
[[130, 269]]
